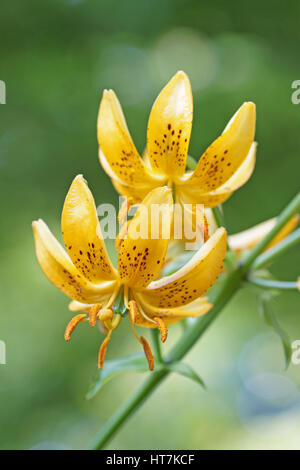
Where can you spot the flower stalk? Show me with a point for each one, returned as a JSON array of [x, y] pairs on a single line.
[[228, 286], [278, 250]]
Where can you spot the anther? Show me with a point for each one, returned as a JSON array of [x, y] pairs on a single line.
[[148, 353], [102, 351], [162, 328], [94, 310], [72, 325]]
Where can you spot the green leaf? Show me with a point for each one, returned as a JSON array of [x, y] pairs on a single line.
[[185, 370], [270, 319], [135, 362]]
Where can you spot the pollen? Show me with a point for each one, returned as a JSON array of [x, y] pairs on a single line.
[[102, 351], [162, 328], [72, 325], [93, 313], [148, 353]]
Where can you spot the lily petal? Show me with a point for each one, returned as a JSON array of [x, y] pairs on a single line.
[[170, 125], [142, 252], [75, 306], [117, 145], [191, 194], [138, 191], [60, 270], [197, 308], [193, 279], [225, 155], [82, 233], [249, 238]]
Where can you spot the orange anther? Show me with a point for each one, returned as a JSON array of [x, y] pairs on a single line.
[[72, 325], [148, 353], [162, 328], [94, 310], [102, 351]]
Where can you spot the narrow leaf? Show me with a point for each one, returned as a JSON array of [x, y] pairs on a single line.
[[270, 319], [185, 370], [135, 362]]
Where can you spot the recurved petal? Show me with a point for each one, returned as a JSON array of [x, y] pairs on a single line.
[[138, 191], [225, 155], [193, 279], [82, 233], [170, 125], [143, 250], [60, 270], [197, 308], [189, 193], [117, 145], [75, 306], [249, 238]]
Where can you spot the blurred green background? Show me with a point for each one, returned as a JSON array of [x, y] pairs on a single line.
[[56, 58]]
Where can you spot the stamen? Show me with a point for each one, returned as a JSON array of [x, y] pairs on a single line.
[[145, 316], [147, 350], [148, 353], [122, 234], [112, 298], [102, 350], [94, 310], [132, 306], [72, 325], [125, 207], [131, 320], [162, 328]]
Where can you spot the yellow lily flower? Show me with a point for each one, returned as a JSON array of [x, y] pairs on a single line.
[[84, 271], [249, 238], [225, 166]]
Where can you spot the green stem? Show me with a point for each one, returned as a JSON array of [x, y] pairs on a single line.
[[291, 209], [270, 284], [127, 409], [229, 286], [273, 253], [219, 216], [156, 344]]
